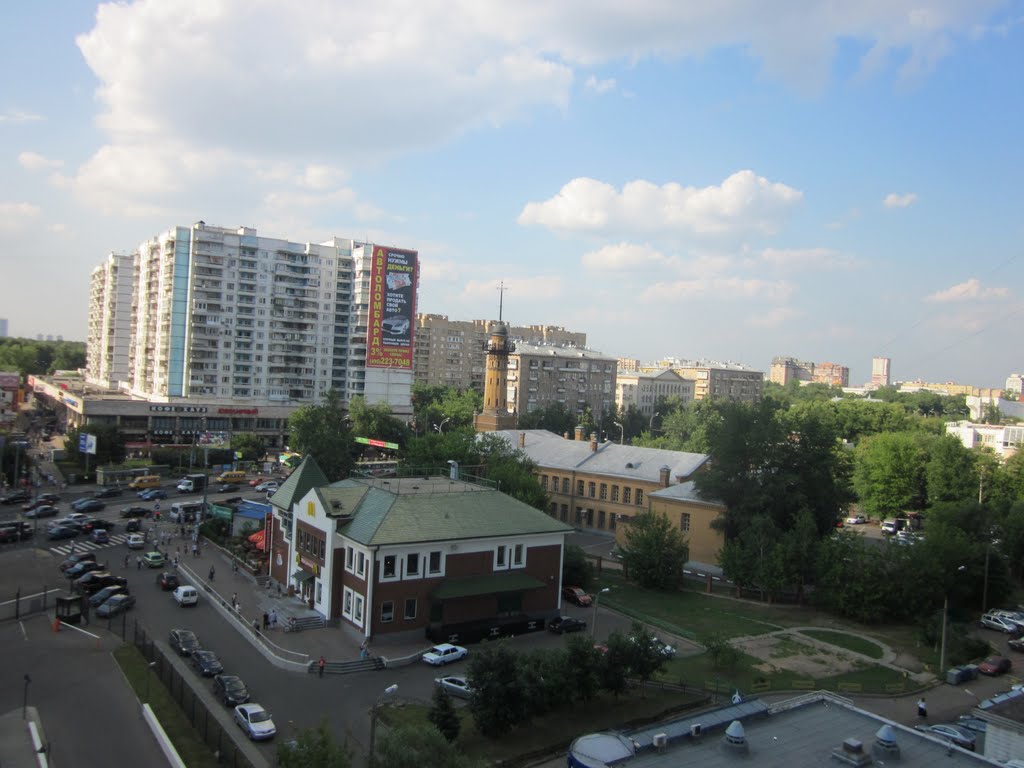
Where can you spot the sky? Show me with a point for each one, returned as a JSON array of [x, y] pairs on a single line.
[[732, 181]]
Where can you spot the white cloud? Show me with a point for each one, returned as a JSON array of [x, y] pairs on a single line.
[[15, 116], [599, 86], [969, 290], [17, 216], [723, 288], [805, 258], [893, 200], [33, 161], [773, 317], [623, 257], [744, 202]]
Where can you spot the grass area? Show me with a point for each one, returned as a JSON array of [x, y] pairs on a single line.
[[556, 730], [854, 643], [191, 748]]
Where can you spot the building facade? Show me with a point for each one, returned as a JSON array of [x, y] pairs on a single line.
[[1003, 440], [539, 376], [644, 389], [881, 375], [1014, 386], [111, 289], [717, 381]]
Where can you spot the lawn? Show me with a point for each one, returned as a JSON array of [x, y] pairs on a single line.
[[191, 748], [556, 731], [854, 643]]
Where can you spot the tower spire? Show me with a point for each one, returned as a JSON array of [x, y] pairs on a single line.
[[501, 298]]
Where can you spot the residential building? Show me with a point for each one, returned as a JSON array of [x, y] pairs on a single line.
[[110, 321], [716, 380], [832, 374], [578, 378], [602, 486], [630, 364], [1004, 440], [439, 555], [948, 388], [3, 327], [786, 369], [981, 406], [880, 373], [1004, 732], [644, 389], [10, 387], [1014, 385]]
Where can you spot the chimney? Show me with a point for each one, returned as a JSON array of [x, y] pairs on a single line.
[[851, 752], [579, 433], [522, 440], [663, 476], [593, 442]]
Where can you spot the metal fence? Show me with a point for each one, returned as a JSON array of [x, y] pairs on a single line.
[[27, 602], [204, 722]]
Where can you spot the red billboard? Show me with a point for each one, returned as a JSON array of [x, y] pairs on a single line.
[[392, 314]]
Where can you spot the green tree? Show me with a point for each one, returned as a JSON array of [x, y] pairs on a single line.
[[889, 474], [377, 422], [614, 664], [950, 473], [499, 699], [555, 417], [415, 746], [109, 445], [443, 715], [252, 447], [320, 431], [313, 748], [644, 656], [655, 552], [577, 569], [582, 664]]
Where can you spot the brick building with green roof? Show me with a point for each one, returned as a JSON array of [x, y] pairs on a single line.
[[434, 555]]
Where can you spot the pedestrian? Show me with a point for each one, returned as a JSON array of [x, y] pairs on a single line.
[[256, 626], [922, 709], [234, 566], [234, 600], [266, 620], [212, 572], [127, 559], [321, 664], [195, 550], [362, 649], [72, 545], [138, 562], [273, 618]]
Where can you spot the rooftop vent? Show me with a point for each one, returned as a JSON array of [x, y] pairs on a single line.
[[735, 739], [885, 746], [851, 752]]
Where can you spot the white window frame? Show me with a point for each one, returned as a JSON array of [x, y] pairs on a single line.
[[350, 559], [346, 602], [415, 608], [501, 557], [419, 564], [440, 562], [396, 572], [359, 604], [319, 592], [518, 555], [361, 564], [388, 619]]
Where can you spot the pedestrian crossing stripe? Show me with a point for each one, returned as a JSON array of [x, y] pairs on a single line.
[[89, 546]]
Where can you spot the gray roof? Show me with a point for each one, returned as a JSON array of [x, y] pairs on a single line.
[[683, 492], [783, 736], [552, 451], [573, 353]]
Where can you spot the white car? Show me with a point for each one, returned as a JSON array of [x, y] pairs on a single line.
[[856, 520], [255, 721], [269, 485], [186, 595], [135, 541], [454, 686], [445, 653]]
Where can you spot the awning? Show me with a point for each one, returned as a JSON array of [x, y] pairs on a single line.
[[493, 583], [258, 539], [302, 576]]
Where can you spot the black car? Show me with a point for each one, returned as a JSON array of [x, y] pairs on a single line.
[[107, 493], [227, 488], [184, 641], [95, 524], [206, 663], [230, 689], [106, 593], [75, 559], [167, 581], [12, 532], [93, 582], [135, 512], [82, 568], [133, 526], [16, 497], [62, 532], [88, 505], [562, 624]]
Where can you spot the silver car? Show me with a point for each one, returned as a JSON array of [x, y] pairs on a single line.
[[454, 686]]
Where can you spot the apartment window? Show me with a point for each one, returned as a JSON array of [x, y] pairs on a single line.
[[615, 493], [591, 489], [579, 487], [639, 497], [434, 565], [389, 566], [349, 559], [499, 556], [410, 608], [518, 553], [319, 591], [579, 515], [611, 521], [544, 482], [600, 519], [412, 565], [347, 607], [387, 611], [565, 513], [684, 521], [626, 497], [361, 564], [357, 614], [604, 491]]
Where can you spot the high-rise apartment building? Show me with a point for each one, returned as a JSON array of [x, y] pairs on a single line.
[[881, 376], [3, 327], [110, 321], [539, 376], [715, 380]]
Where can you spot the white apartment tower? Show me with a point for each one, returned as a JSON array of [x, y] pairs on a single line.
[[880, 373], [226, 316], [110, 321]]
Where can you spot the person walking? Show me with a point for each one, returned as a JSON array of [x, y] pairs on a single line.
[[234, 600], [273, 618], [195, 550], [321, 664], [212, 572], [266, 620], [922, 709], [362, 649], [256, 626], [138, 562]]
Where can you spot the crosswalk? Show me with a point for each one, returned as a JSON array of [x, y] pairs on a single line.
[[89, 546]]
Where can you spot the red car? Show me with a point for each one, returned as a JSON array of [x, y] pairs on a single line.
[[995, 665], [576, 595], [256, 481]]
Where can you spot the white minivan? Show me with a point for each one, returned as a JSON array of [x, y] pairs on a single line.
[[186, 595]]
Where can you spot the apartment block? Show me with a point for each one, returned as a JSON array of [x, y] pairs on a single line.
[[1003, 440], [881, 375], [717, 380], [110, 319], [644, 389], [786, 369], [539, 376]]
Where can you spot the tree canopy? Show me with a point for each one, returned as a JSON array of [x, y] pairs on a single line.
[[321, 432]]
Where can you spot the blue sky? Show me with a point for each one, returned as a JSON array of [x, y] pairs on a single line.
[[731, 181]]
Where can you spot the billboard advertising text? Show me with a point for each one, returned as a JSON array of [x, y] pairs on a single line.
[[392, 308]]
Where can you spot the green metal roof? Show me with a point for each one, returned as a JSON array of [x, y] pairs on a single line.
[[307, 476], [488, 584]]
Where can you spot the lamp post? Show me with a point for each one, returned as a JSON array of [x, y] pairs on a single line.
[[149, 674], [651, 425], [622, 432], [945, 614], [440, 427], [24, 700], [389, 691], [597, 599]]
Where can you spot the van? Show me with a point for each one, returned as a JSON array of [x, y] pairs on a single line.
[[144, 482], [235, 476], [186, 595], [186, 511]]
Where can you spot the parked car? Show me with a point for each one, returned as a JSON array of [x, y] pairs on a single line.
[[62, 532], [562, 624], [185, 595], [39, 502], [856, 520], [206, 663], [255, 721], [75, 559], [167, 581], [93, 582], [115, 605], [43, 511], [576, 595], [135, 512], [99, 536], [153, 494], [135, 541], [975, 724], [49, 498], [153, 559], [95, 524], [995, 665], [959, 735], [666, 650], [106, 593], [15, 497], [14, 532], [256, 481], [107, 493], [183, 641], [999, 623], [226, 488], [1016, 644], [230, 689], [82, 568], [454, 686], [445, 653]]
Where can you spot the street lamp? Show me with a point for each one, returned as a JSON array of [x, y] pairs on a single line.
[[945, 613], [440, 427], [149, 674], [24, 700], [597, 599], [389, 691], [622, 432]]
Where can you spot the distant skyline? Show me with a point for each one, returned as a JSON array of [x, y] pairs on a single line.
[[732, 181]]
